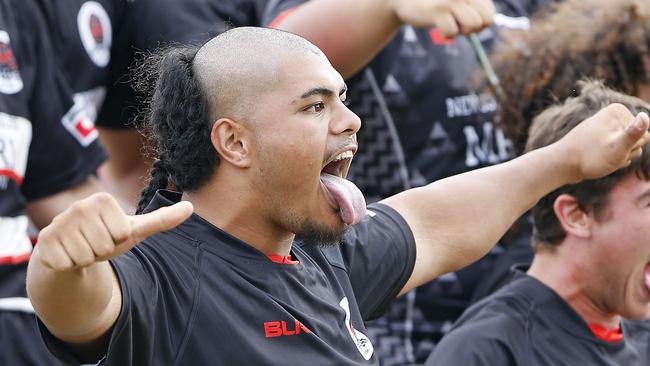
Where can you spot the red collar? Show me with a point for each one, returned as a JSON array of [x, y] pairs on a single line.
[[275, 258], [607, 335]]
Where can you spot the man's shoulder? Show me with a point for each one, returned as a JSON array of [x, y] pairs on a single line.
[[505, 313], [492, 331]]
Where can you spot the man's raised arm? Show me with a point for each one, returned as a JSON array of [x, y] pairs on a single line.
[[351, 33], [73, 288], [457, 220]]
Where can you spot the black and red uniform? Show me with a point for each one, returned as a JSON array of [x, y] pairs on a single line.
[[196, 295], [425, 118], [526, 323], [47, 145]]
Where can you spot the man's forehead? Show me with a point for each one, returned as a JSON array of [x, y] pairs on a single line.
[[308, 75]]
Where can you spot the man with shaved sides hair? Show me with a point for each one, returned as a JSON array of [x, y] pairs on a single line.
[[250, 246]]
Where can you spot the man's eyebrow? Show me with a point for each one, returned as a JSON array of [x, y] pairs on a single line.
[[323, 91]]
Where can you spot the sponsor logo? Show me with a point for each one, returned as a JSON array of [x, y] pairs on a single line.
[[360, 340], [280, 328], [80, 123], [96, 32], [10, 80], [91, 100]]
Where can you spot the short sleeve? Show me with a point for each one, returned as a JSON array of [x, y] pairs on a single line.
[[158, 293], [130, 332], [379, 255]]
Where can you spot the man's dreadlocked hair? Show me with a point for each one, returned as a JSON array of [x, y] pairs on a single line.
[[176, 120], [573, 40]]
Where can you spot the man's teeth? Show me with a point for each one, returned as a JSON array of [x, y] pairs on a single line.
[[344, 155]]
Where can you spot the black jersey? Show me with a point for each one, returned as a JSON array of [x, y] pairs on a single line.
[[526, 323], [47, 145], [82, 35], [149, 24], [196, 296], [425, 118]]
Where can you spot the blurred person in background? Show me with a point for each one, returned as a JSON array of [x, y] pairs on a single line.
[[590, 273], [49, 154]]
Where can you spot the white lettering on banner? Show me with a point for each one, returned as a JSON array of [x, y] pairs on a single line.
[[466, 105], [360, 340], [15, 138], [494, 148]]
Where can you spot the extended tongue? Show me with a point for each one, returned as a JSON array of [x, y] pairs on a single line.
[[348, 197]]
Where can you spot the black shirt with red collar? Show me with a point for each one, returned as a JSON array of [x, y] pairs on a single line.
[[196, 295], [424, 117], [526, 323]]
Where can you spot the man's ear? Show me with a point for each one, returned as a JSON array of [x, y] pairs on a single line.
[[232, 141], [573, 219]]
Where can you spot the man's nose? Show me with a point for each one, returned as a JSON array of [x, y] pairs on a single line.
[[345, 121]]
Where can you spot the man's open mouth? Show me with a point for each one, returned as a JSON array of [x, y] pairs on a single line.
[[339, 165], [342, 194]]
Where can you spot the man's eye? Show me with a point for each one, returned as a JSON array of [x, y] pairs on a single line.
[[316, 107]]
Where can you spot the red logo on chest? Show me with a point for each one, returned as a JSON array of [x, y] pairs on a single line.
[[280, 328]]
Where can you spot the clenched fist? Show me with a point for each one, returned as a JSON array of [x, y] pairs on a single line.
[[451, 17], [606, 142]]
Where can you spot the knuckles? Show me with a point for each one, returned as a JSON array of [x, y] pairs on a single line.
[[103, 250]]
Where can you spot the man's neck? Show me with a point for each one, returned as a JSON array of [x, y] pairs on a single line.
[[237, 213], [570, 281]]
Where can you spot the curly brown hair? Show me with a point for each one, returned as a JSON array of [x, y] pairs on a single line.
[[573, 40], [553, 124]]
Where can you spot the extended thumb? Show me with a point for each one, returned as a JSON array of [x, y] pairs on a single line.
[[162, 219]]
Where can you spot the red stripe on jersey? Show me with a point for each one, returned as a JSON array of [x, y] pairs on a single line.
[[282, 259], [607, 335], [15, 259], [11, 175], [281, 17]]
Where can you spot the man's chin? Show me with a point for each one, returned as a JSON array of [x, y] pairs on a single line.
[[312, 234]]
